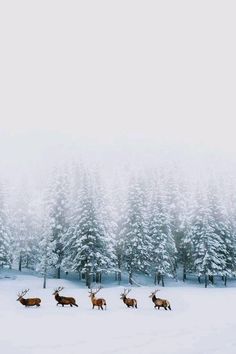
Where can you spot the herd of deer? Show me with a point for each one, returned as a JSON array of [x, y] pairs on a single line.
[[99, 302]]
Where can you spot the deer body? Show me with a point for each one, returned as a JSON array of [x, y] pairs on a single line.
[[97, 302], [63, 300], [127, 301], [160, 302], [28, 302]]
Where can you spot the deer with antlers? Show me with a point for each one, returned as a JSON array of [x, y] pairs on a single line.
[[63, 300], [97, 302], [28, 302], [159, 302], [127, 301]]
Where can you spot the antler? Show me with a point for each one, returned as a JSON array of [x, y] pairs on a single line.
[[91, 291], [98, 289], [60, 288], [23, 292], [155, 291], [126, 291], [123, 292], [94, 292]]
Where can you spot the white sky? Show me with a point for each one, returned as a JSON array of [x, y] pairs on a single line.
[[112, 71]]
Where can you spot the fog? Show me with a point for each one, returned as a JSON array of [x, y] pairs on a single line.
[[113, 82], [117, 138]]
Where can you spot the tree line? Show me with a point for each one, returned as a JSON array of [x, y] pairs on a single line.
[[151, 223]]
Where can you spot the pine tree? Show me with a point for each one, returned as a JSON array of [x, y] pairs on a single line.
[[134, 241], [183, 237], [46, 246], [86, 249], [223, 228], [209, 248], [163, 251], [20, 221], [105, 213], [58, 212], [5, 235]]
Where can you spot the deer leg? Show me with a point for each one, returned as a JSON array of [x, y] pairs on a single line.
[[165, 308], [101, 307], [158, 307], [70, 305]]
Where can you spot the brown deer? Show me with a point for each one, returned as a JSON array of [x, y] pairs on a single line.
[[97, 302], [159, 302], [62, 300], [28, 302], [129, 302]]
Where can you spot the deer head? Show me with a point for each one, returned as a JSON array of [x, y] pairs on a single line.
[[20, 296], [125, 293], [56, 291]]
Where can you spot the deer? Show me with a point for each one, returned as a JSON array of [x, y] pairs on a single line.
[[63, 300], [127, 301], [28, 302], [159, 302], [97, 302]]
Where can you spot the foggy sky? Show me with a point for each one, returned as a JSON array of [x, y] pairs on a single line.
[[113, 77]]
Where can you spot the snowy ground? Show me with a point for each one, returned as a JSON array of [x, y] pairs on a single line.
[[203, 321]]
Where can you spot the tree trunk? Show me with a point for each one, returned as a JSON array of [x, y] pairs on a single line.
[[155, 278], [206, 281], [88, 279], [119, 277], [184, 274], [20, 262], [27, 261], [45, 279], [211, 279], [98, 277], [158, 278], [119, 272], [199, 279], [130, 278], [162, 280], [225, 282], [59, 272]]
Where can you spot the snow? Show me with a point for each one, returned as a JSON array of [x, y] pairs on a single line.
[[202, 321]]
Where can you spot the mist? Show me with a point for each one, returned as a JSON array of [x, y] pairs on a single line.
[[114, 82], [128, 107]]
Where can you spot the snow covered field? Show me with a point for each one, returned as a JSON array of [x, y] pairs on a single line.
[[203, 321]]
